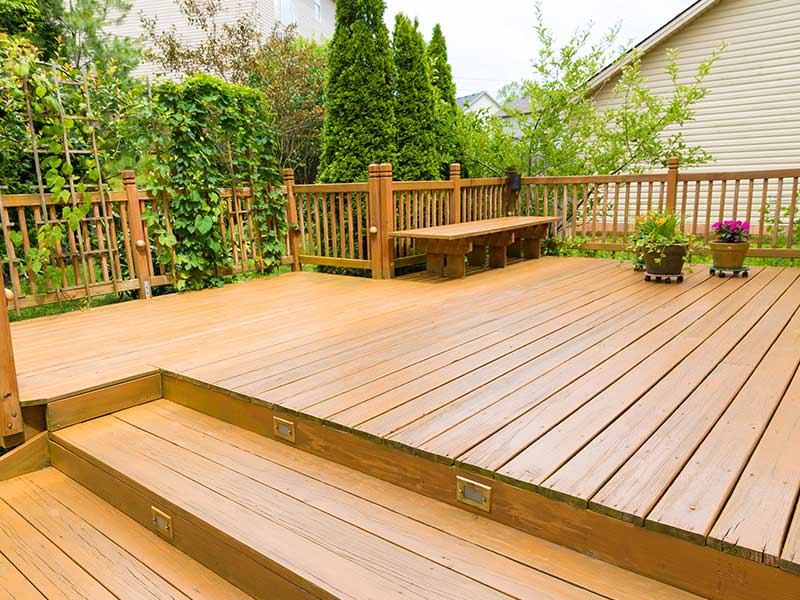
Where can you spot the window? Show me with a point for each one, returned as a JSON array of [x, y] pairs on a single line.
[[318, 10]]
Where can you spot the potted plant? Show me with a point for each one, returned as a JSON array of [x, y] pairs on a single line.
[[729, 250], [661, 244]]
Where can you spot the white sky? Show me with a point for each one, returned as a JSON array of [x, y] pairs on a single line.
[[491, 43]]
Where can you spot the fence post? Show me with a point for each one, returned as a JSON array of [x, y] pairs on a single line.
[[293, 227], [387, 221], [672, 184], [10, 410], [511, 195], [454, 209], [140, 246]]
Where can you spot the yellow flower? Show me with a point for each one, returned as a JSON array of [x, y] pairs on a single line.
[[661, 221]]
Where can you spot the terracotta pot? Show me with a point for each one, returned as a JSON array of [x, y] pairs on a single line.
[[669, 261], [728, 256]]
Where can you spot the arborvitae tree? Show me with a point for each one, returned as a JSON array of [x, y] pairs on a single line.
[[441, 73], [359, 124], [417, 156], [447, 141]]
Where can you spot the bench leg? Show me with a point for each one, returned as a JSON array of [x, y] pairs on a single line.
[[515, 249], [477, 258], [532, 247], [455, 267], [435, 263], [497, 257]]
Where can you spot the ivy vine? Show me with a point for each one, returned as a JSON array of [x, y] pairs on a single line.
[[204, 135]]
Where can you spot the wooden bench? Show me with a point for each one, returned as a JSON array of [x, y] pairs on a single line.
[[447, 245]]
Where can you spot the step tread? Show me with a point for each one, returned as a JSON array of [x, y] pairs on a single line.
[[62, 541], [333, 531]]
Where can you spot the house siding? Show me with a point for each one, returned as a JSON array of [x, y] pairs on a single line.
[[749, 119]]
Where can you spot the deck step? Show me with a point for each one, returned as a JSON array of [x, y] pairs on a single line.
[[60, 541], [280, 523]]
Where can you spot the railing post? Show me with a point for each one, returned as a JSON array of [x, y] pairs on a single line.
[[374, 220], [12, 433], [454, 208], [511, 196], [293, 227], [387, 221], [140, 246], [672, 184]]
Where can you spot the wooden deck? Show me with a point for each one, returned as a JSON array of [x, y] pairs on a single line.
[[58, 541], [672, 407]]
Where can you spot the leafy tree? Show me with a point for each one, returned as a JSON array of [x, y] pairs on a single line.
[[359, 125], [39, 21], [288, 69], [446, 112], [417, 157], [86, 42], [565, 133]]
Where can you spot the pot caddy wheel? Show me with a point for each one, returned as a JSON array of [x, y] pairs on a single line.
[[657, 277], [735, 272]]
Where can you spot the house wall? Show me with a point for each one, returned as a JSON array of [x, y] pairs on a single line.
[[266, 12], [749, 119]]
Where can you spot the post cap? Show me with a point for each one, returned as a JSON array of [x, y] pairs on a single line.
[[128, 175], [672, 163]]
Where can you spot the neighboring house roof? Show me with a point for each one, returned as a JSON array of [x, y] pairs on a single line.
[[655, 38], [468, 100], [522, 105]]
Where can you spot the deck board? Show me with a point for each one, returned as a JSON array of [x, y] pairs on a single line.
[[253, 481], [66, 543], [545, 375]]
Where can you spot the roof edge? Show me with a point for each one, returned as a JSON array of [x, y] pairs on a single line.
[[659, 35]]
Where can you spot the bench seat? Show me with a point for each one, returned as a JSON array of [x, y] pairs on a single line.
[[447, 245]]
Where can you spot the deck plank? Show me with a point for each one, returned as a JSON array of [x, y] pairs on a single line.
[[642, 452], [461, 557], [578, 479], [538, 554], [691, 503], [42, 563], [774, 466], [521, 418], [311, 545]]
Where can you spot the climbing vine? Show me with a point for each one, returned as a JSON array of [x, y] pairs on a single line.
[[205, 135], [49, 146]]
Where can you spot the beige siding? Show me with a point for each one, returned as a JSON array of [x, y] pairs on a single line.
[[751, 116]]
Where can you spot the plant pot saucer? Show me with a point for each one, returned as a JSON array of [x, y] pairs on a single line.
[[735, 271], [666, 278]]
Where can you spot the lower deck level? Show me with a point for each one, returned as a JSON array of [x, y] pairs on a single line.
[[672, 410]]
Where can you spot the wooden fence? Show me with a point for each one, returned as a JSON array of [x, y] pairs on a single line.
[[112, 250], [348, 225]]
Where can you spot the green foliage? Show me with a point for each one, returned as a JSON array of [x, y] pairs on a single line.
[[657, 230], [565, 132], [29, 87], [359, 125], [205, 134], [86, 42], [290, 70], [38, 21], [446, 113], [417, 158]]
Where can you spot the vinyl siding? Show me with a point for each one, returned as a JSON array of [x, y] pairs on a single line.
[[750, 118]]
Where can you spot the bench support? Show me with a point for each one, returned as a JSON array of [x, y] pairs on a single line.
[[455, 266], [434, 263], [477, 258]]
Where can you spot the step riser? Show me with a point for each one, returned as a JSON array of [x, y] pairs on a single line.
[[255, 575], [695, 568]]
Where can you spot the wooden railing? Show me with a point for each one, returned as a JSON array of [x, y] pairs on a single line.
[[597, 212], [112, 250]]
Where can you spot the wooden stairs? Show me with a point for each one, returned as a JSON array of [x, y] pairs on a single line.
[[223, 512]]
